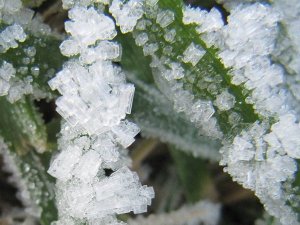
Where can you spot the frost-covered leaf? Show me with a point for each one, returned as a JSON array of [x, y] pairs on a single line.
[[94, 102], [222, 77]]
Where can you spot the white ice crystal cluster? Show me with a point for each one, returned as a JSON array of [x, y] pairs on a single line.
[[18, 19], [95, 100], [203, 212], [262, 157], [248, 44], [17, 23], [262, 161]]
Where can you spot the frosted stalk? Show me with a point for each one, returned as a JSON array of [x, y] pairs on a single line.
[[94, 103]]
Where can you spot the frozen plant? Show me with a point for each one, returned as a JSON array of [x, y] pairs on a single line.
[[221, 84]]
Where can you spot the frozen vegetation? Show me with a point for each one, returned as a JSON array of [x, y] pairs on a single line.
[[234, 82]]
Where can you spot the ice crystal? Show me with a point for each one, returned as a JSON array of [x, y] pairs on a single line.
[[10, 37], [165, 18], [126, 14], [193, 54], [225, 101]]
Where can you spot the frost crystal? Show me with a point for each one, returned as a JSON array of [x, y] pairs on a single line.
[[126, 14], [95, 100], [225, 101], [287, 50], [141, 39], [7, 71], [193, 15], [170, 35], [193, 54], [12, 86], [9, 37], [206, 21], [83, 29], [165, 18]]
